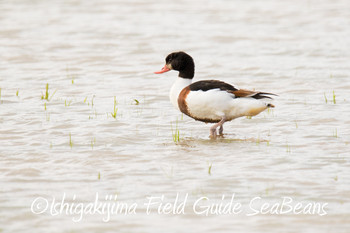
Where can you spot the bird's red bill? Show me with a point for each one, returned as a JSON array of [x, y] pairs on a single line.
[[163, 70]]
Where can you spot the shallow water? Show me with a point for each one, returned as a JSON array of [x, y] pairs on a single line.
[[69, 149]]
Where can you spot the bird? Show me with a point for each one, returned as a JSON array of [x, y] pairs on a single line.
[[210, 101]]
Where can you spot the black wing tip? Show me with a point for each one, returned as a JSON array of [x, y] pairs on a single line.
[[263, 95]]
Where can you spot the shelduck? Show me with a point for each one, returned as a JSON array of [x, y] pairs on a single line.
[[210, 101]]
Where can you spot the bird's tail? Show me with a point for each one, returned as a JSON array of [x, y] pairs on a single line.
[[263, 95]]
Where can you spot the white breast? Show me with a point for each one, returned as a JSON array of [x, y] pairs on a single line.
[[176, 88]]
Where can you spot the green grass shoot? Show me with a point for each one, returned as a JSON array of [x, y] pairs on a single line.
[[209, 168], [115, 109], [69, 75], [67, 103], [175, 132], [335, 133], [92, 101], [93, 141], [333, 98], [269, 111], [70, 140], [46, 96], [258, 140], [17, 92], [99, 176], [288, 149], [136, 102]]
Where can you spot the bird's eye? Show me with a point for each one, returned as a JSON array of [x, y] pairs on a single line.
[[170, 58]]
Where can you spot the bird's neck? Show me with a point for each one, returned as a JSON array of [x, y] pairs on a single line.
[[188, 71], [187, 74], [176, 88]]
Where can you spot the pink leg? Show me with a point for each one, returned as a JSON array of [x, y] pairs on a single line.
[[221, 130], [213, 133]]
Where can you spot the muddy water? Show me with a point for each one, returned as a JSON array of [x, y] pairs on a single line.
[[66, 161]]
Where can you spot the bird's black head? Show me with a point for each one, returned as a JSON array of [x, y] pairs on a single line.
[[181, 62]]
